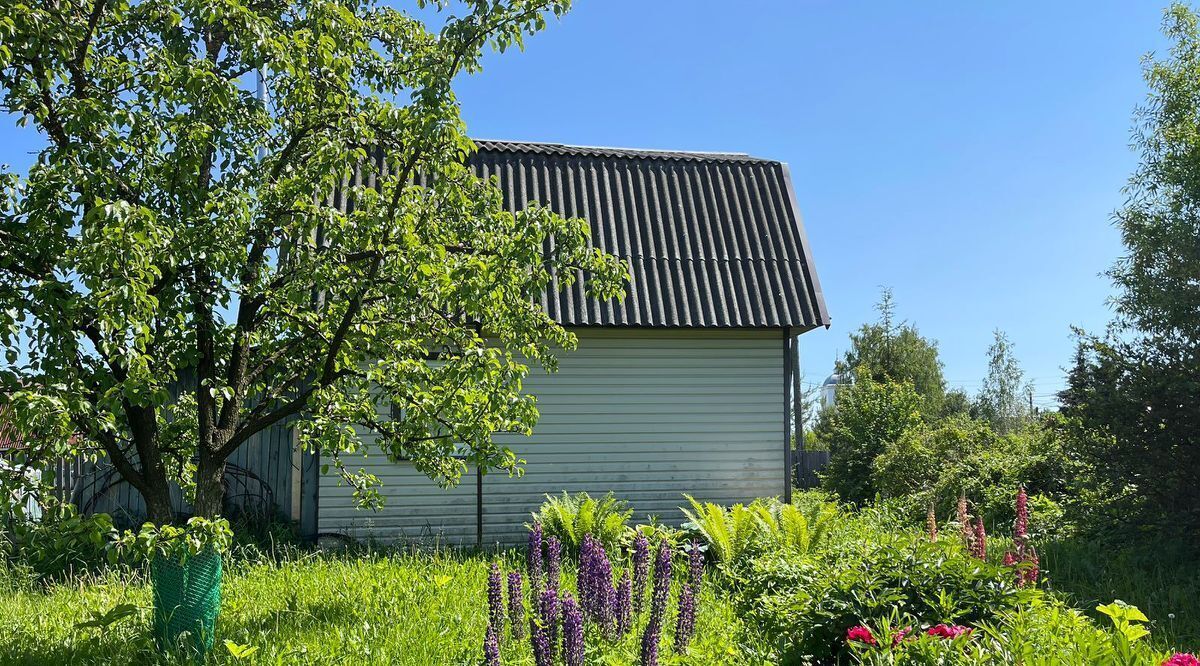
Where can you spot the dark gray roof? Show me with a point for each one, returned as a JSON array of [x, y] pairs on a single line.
[[711, 239]]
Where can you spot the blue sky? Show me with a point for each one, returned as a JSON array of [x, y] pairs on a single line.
[[969, 155]]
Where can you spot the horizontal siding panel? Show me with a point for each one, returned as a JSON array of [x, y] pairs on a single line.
[[650, 415]]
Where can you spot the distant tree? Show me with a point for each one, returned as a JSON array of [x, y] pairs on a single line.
[[1133, 395], [868, 417], [891, 350], [175, 234], [1003, 400]]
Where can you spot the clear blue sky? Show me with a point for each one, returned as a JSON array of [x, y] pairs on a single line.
[[969, 155]]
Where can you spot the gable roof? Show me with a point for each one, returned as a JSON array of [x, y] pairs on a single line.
[[711, 239]]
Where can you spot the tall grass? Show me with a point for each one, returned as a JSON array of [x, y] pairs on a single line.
[[360, 608]]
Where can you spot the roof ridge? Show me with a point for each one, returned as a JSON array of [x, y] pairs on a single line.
[[553, 148]]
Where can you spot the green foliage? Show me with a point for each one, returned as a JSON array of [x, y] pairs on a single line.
[[891, 351], [868, 416], [799, 530], [932, 464], [177, 543], [62, 543], [1132, 394], [1002, 399], [175, 228], [729, 534], [571, 517]]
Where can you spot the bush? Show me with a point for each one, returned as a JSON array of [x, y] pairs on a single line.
[[570, 517], [934, 463], [808, 603], [869, 416], [62, 543]]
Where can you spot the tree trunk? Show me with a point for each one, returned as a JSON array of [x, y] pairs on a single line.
[[210, 486], [158, 503]]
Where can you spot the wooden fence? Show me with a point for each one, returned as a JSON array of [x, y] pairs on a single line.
[[807, 464]]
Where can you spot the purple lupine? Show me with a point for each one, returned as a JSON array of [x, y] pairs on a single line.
[[491, 648], [624, 605], [516, 604], [553, 561], [641, 569], [658, 605], [695, 565], [572, 627], [533, 555], [685, 621], [539, 638], [650, 644], [550, 614], [662, 582], [583, 579], [606, 595], [495, 595]]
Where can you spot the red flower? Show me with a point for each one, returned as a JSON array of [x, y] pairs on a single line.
[[860, 634], [1182, 659], [901, 635], [949, 631]]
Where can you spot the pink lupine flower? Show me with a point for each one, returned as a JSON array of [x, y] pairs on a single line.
[[931, 524], [1009, 558], [1182, 659], [964, 524], [948, 631], [979, 548], [1021, 525], [1031, 570], [860, 634]]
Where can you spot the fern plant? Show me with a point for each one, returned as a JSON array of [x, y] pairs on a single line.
[[728, 533], [570, 517], [796, 529]]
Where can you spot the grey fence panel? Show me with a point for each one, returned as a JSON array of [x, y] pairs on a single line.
[[808, 463]]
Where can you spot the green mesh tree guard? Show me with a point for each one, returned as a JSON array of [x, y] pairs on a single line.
[[187, 598]]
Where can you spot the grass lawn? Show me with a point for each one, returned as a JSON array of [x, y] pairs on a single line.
[[409, 608]]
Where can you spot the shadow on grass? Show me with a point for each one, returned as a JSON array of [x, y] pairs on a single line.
[[1157, 574]]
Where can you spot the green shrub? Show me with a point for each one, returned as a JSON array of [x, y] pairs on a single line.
[[570, 517], [808, 603], [934, 463], [868, 417], [62, 543], [729, 534]]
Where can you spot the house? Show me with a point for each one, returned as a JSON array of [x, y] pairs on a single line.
[[688, 385]]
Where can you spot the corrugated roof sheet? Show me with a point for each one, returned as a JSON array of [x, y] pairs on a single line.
[[711, 239]]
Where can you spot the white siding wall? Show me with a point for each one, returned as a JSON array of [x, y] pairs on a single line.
[[648, 414]]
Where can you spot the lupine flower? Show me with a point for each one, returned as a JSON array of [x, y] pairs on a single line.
[[534, 556], [1182, 659], [931, 523], [658, 605], [624, 604], [948, 631], [695, 565], [1031, 567], [685, 620], [901, 636], [1021, 525], [596, 586], [495, 595], [553, 561], [662, 582], [641, 570], [516, 604], [860, 634], [539, 637], [572, 626], [979, 545], [550, 614], [650, 640], [1009, 559], [964, 524], [491, 648]]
